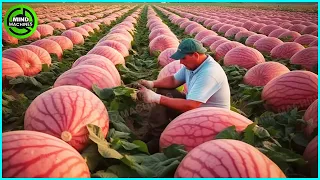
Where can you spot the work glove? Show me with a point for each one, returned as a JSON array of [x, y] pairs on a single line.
[[148, 96], [146, 83]]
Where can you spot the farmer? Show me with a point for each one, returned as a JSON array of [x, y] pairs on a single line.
[[207, 86]]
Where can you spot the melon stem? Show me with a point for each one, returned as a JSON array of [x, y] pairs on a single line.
[[66, 136]]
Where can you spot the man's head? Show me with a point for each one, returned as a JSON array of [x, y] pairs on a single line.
[[190, 53]]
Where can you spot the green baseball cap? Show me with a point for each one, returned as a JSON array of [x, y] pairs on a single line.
[[188, 46]]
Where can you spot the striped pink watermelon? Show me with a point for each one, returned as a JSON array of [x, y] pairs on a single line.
[[50, 46], [209, 40], [261, 74], [86, 76], [45, 29], [36, 35], [253, 38], [243, 34], [170, 69], [162, 43], [217, 43], [265, 45], [43, 55], [64, 42], [80, 30], [227, 158], [108, 52], [57, 25], [75, 37], [27, 60], [225, 47], [286, 50], [277, 32], [10, 68], [311, 118], [266, 30], [68, 24], [305, 39], [31, 154], [289, 36], [233, 31], [197, 126], [64, 112], [164, 57], [243, 56], [307, 57], [293, 89], [121, 48], [203, 34]]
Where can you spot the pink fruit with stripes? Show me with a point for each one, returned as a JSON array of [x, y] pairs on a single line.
[[121, 48], [87, 28], [227, 158], [27, 60], [297, 27], [307, 57], [75, 37], [162, 43], [103, 63], [31, 154], [266, 30], [45, 29], [277, 32], [68, 24], [311, 118], [233, 31], [170, 69], [309, 29], [243, 34], [64, 112], [64, 42], [80, 30], [261, 74], [305, 39], [204, 33], [256, 28], [217, 26], [86, 76], [10, 68], [6, 37], [293, 89], [286, 50], [157, 32], [243, 56], [223, 29], [289, 36], [217, 43], [164, 57], [311, 152], [108, 52], [265, 45], [209, 40], [36, 35], [253, 38], [122, 31], [314, 43], [50, 46], [43, 55], [200, 125], [223, 48], [57, 25]]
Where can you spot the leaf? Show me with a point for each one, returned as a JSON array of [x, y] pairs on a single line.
[[104, 174], [300, 139], [175, 150], [123, 171], [142, 146], [95, 134], [104, 94], [261, 132], [129, 146], [91, 156], [45, 68], [228, 133], [118, 122], [249, 134], [254, 103], [25, 80]]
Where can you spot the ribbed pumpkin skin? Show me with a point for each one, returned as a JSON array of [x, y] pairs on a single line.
[[307, 57], [57, 25], [121, 48], [80, 30], [305, 39], [170, 69], [261, 74], [162, 43], [75, 37], [68, 24], [243, 56], [253, 38], [200, 125], [157, 32], [286, 50], [64, 42], [227, 158], [277, 32], [164, 57], [85, 76], [43, 55], [6, 37], [104, 64], [27, 60], [265, 45], [266, 30], [209, 40], [109, 53], [311, 118], [204, 33], [217, 43], [119, 37], [311, 152], [45, 29], [233, 31], [10, 68], [293, 89], [50, 46], [31, 154], [243, 34], [223, 48], [36, 35], [290, 36]]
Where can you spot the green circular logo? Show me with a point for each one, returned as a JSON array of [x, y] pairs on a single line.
[[20, 21]]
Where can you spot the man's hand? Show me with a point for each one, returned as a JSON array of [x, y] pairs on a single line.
[[147, 84], [148, 96]]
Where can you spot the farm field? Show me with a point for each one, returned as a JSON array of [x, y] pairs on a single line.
[[69, 91]]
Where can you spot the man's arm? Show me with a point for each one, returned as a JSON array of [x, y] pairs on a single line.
[[167, 83], [181, 105]]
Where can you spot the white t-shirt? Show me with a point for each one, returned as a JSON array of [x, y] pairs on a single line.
[[207, 84]]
